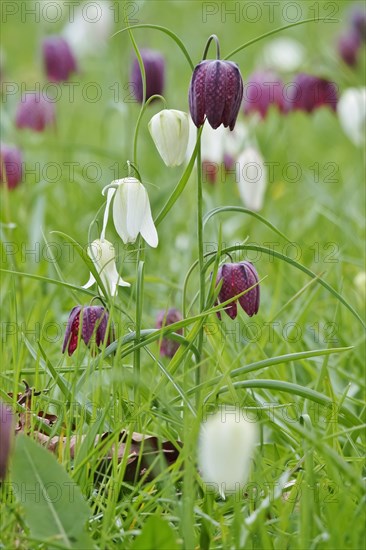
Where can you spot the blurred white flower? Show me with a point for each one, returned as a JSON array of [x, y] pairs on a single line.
[[90, 28], [216, 143], [131, 211], [283, 54], [351, 111], [226, 446], [170, 132], [360, 284], [103, 256], [251, 177]]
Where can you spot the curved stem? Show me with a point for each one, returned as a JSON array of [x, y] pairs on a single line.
[[172, 35], [132, 165], [269, 33], [212, 37]]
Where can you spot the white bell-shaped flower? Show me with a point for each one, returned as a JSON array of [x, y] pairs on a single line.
[[103, 256], [170, 132], [351, 111], [284, 54], [251, 177], [131, 211], [226, 446]]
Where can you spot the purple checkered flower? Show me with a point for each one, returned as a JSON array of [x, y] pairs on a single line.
[[34, 111], [168, 347], [310, 92], [215, 92], [59, 60], [236, 278], [358, 21], [154, 64], [10, 165], [263, 89], [94, 323]]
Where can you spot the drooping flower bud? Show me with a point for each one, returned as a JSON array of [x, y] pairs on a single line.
[[310, 92], [59, 60], [131, 212], [168, 346], [226, 445], [251, 177], [348, 47], [6, 436], [154, 64], [236, 278], [263, 89], [215, 92], [35, 112], [351, 111], [170, 132], [103, 256], [94, 323], [11, 171]]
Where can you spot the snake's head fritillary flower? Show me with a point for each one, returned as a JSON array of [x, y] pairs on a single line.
[[348, 47], [35, 111], [94, 324], [168, 347], [10, 165], [59, 60], [154, 65], [215, 92], [263, 89], [358, 21], [6, 435], [103, 256], [226, 446], [131, 211], [170, 132], [310, 92], [236, 278]]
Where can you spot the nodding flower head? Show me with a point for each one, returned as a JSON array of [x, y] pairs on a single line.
[[154, 65], [94, 323], [215, 92], [236, 278], [35, 111], [310, 92], [263, 89], [170, 131], [348, 47], [10, 165], [168, 347], [59, 60]]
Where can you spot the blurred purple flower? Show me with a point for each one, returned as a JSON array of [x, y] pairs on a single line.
[[348, 47], [94, 323], [358, 21], [59, 60], [168, 347], [34, 111], [11, 170], [154, 64], [216, 91], [310, 92], [236, 278], [263, 89], [6, 435]]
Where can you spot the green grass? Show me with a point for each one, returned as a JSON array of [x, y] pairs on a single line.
[[296, 368]]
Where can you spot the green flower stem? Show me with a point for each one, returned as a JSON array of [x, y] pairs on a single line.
[[212, 37], [200, 254]]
